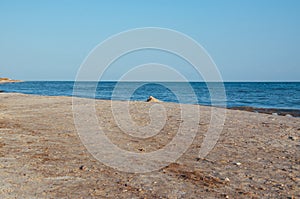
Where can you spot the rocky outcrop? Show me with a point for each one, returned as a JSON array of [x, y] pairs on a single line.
[[152, 99]]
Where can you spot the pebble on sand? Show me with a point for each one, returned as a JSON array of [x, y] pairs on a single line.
[[292, 138]]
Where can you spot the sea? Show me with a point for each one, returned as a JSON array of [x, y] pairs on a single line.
[[270, 95]]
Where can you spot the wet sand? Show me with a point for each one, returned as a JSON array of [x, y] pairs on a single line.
[[272, 111], [41, 155]]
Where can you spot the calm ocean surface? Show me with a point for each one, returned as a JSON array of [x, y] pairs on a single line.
[[281, 95]]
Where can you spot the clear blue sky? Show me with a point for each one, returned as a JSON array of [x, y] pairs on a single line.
[[249, 40]]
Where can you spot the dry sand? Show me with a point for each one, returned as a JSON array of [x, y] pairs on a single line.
[[41, 155]]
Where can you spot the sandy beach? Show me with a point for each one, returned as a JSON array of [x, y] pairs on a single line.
[[41, 155]]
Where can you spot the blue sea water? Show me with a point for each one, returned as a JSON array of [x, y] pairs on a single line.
[[279, 95]]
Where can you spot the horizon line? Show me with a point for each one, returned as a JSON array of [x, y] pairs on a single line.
[[193, 81]]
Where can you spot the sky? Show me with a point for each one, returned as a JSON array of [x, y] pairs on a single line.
[[257, 40]]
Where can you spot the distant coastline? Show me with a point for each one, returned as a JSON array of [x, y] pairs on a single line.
[[7, 80]]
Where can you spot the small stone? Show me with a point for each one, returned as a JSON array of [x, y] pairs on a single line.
[[225, 195], [290, 197], [227, 180], [288, 115], [274, 113], [82, 167], [238, 164], [292, 138]]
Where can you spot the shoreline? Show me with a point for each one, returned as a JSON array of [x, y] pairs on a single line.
[[270, 111]]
